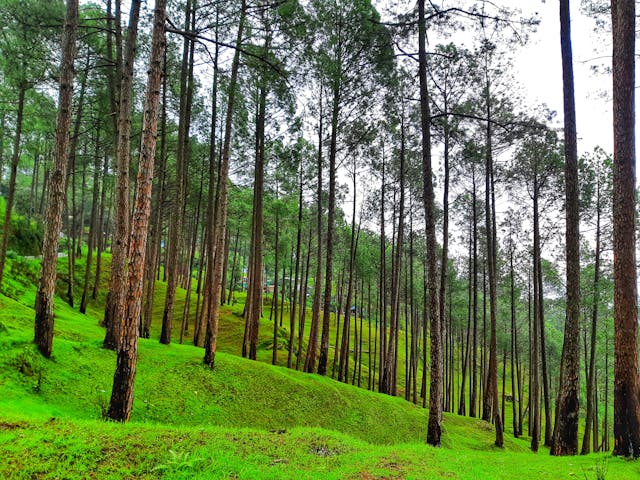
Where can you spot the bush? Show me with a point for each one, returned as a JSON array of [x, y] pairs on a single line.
[[26, 235]]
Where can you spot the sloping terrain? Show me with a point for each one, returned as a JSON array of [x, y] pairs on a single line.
[[243, 419]]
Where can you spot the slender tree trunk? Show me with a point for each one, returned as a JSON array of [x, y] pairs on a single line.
[[92, 228], [213, 314], [515, 387], [434, 431], [296, 285], [473, 397], [175, 226], [253, 308], [274, 356], [394, 328], [490, 401], [343, 372], [466, 351], [591, 383], [326, 314], [534, 389], [100, 234], [548, 426], [445, 250], [186, 313], [44, 317], [309, 364], [124, 377], [154, 243], [115, 306], [303, 303], [565, 441], [15, 160], [212, 198], [232, 280], [382, 288]]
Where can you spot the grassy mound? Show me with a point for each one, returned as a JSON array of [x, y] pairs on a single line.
[[244, 419]]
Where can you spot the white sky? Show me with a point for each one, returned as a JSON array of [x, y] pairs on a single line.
[[540, 70]]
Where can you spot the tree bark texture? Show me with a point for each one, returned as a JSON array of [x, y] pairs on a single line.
[[44, 320], [626, 408]]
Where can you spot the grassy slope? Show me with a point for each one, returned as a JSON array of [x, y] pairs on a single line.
[[242, 420]]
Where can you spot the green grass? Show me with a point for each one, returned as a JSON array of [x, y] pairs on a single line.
[[244, 419]]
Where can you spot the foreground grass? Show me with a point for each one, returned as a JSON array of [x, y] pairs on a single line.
[[85, 449], [242, 420]]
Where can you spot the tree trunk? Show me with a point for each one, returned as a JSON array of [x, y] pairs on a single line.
[[591, 383], [434, 431], [93, 223], [253, 307], [515, 386], [186, 313], [534, 389], [565, 441], [115, 306], [44, 317], [326, 314], [473, 397], [303, 304], [626, 408], [213, 313], [124, 377], [154, 243], [296, 285], [310, 359], [15, 160], [343, 371], [175, 226], [100, 236]]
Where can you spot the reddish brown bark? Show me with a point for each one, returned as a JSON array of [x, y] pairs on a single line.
[[115, 306], [124, 377], [47, 284], [626, 403]]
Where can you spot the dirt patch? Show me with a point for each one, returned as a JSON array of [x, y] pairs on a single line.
[[11, 426]]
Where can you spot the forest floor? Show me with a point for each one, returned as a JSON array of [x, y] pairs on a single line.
[[243, 419]]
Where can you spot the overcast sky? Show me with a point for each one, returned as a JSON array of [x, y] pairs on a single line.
[[540, 70]]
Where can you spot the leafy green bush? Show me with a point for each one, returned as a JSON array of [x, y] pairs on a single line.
[[29, 363], [23, 276], [26, 235]]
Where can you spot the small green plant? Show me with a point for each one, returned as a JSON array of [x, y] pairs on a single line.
[[102, 401], [600, 469], [180, 462], [30, 365]]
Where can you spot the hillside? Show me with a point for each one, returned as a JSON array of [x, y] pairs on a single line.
[[244, 419]]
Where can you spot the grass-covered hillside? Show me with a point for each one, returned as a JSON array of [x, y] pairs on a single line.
[[244, 419]]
